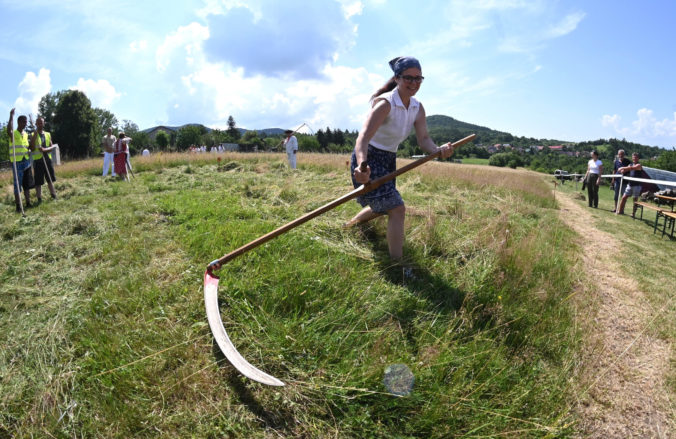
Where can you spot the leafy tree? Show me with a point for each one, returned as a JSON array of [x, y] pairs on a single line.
[[139, 140], [47, 108], [251, 139], [272, 143], [209, 139], [665, 161], [75, 120], [232, 130], [187, 136], [511, 159], [338, 137], [162, 140], [105, 119], [323, 139], [129, 127], [309, 144]]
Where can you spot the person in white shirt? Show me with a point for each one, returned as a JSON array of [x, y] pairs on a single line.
[[108, 150], [291, 144], [593, 178], [394, 112], [145, 152]]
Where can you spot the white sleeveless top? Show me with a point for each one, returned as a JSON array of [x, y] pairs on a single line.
[[594, 166], [398, 124]]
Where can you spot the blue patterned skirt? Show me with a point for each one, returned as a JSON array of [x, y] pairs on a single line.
[[386, 197]]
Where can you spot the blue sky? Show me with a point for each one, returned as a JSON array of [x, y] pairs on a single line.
[[568, 70]]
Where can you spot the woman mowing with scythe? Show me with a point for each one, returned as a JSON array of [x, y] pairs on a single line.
[[394, 112]]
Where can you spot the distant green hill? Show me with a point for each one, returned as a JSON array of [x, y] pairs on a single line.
[[440, 122], [445, 127]]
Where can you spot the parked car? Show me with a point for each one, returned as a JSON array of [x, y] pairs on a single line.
[[562, 175]]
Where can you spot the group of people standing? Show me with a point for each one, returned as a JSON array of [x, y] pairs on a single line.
[[116, 154], [621, 167], [31, 158]]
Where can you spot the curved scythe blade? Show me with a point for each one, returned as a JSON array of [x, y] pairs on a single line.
[[228, 349]]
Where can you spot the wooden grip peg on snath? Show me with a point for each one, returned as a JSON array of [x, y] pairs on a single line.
[[363, 189]]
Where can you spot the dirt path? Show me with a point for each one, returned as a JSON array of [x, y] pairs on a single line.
[[623, 394]]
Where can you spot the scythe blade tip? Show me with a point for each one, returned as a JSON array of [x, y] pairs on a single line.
[[222, 339]]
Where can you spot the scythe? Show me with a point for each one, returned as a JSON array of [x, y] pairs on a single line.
[[211, 280]]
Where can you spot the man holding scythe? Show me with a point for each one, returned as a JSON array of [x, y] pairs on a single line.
[[42, 146], [19, 155], [291, 145]]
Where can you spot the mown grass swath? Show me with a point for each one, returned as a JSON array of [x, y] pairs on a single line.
[[103, 330]]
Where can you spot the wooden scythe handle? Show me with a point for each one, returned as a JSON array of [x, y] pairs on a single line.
[[365, 188]]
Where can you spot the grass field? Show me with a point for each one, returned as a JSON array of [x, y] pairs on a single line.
[[470, 161], [104, 334]]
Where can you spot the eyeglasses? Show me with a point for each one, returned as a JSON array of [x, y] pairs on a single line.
[[411, 79]]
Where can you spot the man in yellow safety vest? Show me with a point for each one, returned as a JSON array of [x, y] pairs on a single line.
[[19, 155], [41, 145]]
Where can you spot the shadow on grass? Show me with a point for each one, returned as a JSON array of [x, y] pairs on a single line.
[[278, 419], [660, 229], [410, 274]]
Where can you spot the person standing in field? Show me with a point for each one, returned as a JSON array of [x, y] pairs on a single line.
[[120, 155], [615, 183], [108, 151], [291, 144], [19, 155], [394, 112], [41, 145], [635, 170], [593, 178]]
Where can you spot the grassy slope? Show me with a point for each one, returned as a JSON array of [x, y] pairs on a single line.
[[103, 331]]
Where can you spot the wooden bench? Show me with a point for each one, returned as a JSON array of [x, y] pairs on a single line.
[[663, 199], [670, 219], [641, 205]]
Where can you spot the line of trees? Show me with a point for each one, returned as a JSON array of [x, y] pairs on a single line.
[[548, 161]]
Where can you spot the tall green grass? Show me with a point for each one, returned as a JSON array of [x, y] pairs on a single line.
[[103, 330]]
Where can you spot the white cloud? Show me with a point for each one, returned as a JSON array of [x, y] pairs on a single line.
[[101, 92], [186, 40], [611, 121], [31, 89], [221, 7], [351, 7], [666, 127], [293, 39], [209, 91], [566, 25], [138, 46], [518, 38], [646, 125]]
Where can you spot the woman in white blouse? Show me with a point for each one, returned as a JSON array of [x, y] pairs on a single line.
[[394, 112], [593, 178]]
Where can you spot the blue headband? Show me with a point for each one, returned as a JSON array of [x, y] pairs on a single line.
[[402, 63]]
